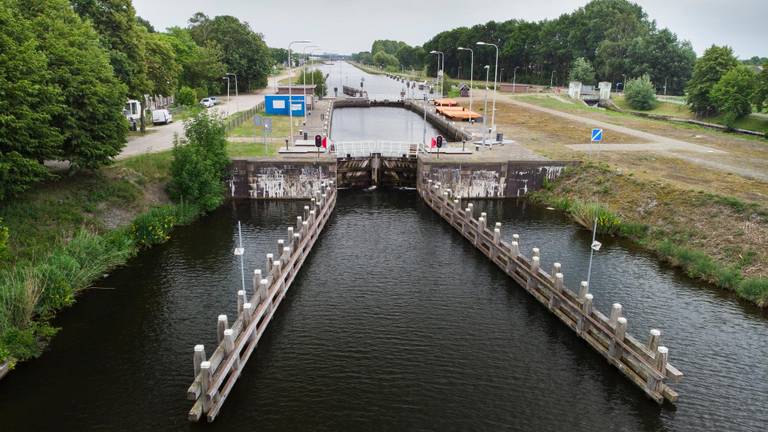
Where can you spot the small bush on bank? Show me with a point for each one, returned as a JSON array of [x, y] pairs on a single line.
[[199, 167], [755, 289], [186, 96], [641, 94], [153, 227]]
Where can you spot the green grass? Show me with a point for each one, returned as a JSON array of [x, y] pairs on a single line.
[[280, 127], [672, 243], [181, 113], [238, 149], [59, 243], [662, 108]]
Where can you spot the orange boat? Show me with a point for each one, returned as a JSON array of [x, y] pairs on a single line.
[[445, 102]]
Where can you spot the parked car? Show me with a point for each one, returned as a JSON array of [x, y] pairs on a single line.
[[161, 116], [206, 102], [215, 100]]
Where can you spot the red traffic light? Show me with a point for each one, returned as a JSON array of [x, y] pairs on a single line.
[[439, 141], [318, 141]]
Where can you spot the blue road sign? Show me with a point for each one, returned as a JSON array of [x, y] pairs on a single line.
[[597, 135]]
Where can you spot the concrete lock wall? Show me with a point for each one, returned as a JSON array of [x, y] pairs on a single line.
[[492, 179], [264, 179]]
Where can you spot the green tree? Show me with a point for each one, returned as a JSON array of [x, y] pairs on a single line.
[[244, 51], [640, 93], [707, 71], [91, 98], [385, 60], [582, 71], [28, 103], [279, 55], [122, 36], [186, 96], [198, 167], [761, 90], [315, 76], [201, 66], [163, 70], [734, 93]]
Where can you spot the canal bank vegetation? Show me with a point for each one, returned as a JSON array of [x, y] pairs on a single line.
[[59, 238], [719, 239]]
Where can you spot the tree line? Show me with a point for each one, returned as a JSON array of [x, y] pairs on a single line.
[[616, 37], [67, 68]]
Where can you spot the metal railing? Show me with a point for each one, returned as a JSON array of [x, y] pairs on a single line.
[[367, 148]]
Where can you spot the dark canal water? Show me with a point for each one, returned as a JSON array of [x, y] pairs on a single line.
[[394, 323]]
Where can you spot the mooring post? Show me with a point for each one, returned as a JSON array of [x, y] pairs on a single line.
[[312, 216], [247, 314], [662, 357], [263, 290], [280, 246], [198, 358], [481, 225], [221, 325], [286, 254], [256, 279], [496, 235], [559, 282], [276, 274], [515, 248], [240, 301], [583, 290], [270, 260], [556, 268], [296, 241], [298, 223], [229, 346], [586, 311], [306, 213], [614, 350], [535, 252], [457, 204], [205, 383], [516, 239], [615, 314], [471, 208], [290, 234], [654, 340], [305, 228]]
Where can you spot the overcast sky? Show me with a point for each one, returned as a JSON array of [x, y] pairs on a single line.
[[347, 26]]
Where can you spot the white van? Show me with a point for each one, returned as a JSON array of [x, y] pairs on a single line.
[[206, 102], [132, 113], [161, 116]]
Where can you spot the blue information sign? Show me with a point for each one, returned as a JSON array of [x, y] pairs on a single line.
[[597, 135]]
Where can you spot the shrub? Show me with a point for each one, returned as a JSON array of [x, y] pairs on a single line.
[[585, 214], [734, 92], [640, 93], [199, 166], [154, 226], [186, 96], [582, 71], [755, 289], [4, 253]]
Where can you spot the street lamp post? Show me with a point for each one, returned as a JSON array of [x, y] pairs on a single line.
[[439, 64], [514, 79], [304, 78], [485, 105], [495, 70], [234, 75], [471, 72], [226, 77], [290, 86], [551, 78]]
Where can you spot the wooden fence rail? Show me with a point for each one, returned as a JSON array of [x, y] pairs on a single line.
[[214, 377], [645, 364]]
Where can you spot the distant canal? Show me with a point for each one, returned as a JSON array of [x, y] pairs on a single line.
[[394, 323]]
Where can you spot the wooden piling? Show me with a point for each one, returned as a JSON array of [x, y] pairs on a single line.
[[215, 377], [221, 326], [654, 340], [647, 368], [198, 358]]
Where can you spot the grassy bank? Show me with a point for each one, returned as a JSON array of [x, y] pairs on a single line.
[[59, 238], [718, 239], [67, 233]]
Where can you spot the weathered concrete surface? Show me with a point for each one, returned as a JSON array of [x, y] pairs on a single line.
[[278, 179], [503, 179]]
